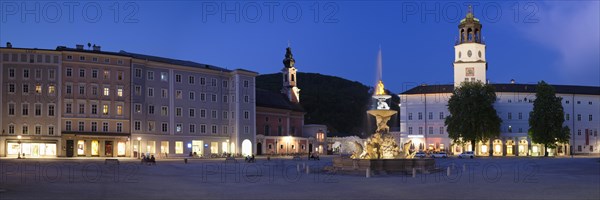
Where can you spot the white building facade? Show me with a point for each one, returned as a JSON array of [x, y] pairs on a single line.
[[423, 109]]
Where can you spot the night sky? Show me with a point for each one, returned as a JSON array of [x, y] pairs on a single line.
[[556, 41]]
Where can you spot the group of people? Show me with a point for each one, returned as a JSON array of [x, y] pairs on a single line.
[[149, 160], [250, 159], [314, 156]]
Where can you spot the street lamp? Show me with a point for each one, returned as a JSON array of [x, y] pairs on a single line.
[[139, 146], [20, 147]]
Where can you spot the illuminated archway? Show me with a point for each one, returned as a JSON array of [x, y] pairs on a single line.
[[246, 147]]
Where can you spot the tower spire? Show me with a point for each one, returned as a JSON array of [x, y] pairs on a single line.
[[290, 88]]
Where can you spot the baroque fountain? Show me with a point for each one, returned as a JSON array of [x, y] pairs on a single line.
[[380, 153]]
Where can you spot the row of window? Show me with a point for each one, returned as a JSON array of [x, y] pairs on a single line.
[[578, 102], [279, 130], [509, 116], [568, 117], [31, 58], [151, 127], [93, 128], [191, 95], [441, 130], [37, 129], [94, 89], [25, 89], [26, 73], [105, 73], [430, 116], [105, 109], [164, 111], [36, 112], [589, 132], [94, 59]]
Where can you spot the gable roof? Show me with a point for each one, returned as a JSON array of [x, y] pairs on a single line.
[[525, 88], [265, 98]]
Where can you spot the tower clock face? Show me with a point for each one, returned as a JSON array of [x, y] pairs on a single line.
[[469, 53], [470, 71]]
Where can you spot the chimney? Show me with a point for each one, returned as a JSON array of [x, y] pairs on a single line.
[[96, 48], [8, 45], [79, 46]]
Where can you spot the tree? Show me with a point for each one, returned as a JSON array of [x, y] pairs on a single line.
[[547, 118], [472, 114]]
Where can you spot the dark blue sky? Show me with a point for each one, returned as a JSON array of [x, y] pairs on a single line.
[[556, 41]]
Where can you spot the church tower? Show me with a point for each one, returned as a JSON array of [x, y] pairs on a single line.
[[290, 88], [469, 52]]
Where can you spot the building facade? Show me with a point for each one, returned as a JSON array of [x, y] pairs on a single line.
[[280, 118], [92, 103], [182, 108], [95, 102], [423, 109], [31, 102]]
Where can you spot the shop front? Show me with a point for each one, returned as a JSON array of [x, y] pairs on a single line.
[[31, 148], [93, 145]]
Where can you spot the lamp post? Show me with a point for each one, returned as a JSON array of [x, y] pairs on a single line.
[[139, 146], [20, 147]]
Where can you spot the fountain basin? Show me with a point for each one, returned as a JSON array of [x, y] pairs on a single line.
[[397, 165]]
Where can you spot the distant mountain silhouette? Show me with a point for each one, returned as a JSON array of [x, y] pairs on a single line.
[[333, 101]]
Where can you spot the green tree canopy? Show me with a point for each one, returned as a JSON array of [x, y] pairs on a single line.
[[472, 113], [547, 118]]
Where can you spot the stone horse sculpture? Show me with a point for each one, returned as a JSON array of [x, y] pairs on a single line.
[[406, 149]]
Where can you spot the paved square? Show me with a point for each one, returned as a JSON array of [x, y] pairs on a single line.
[[481, 178]]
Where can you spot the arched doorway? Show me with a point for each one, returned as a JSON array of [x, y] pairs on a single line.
[[310, 148], [246, 147], [259, 148]]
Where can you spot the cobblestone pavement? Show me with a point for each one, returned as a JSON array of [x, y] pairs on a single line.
[[285, 178]]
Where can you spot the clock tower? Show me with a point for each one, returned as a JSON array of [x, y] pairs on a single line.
[[469, 52], [290, 88]]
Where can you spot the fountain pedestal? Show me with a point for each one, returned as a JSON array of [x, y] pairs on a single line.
[[380, 152]]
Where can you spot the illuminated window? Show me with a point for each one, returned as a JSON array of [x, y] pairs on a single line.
[[119, 110], [106, 74], [106, 91], [51, 89], [105, 109], [178, 147], [178, 128], [164, 76], [120, 92], [38, 88]]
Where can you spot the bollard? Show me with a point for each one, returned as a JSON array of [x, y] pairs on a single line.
[[307, 169], [414, 172], [448, 171], [298, 167], [185, 160], [303, 165], [464, 167], [368, 172]]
